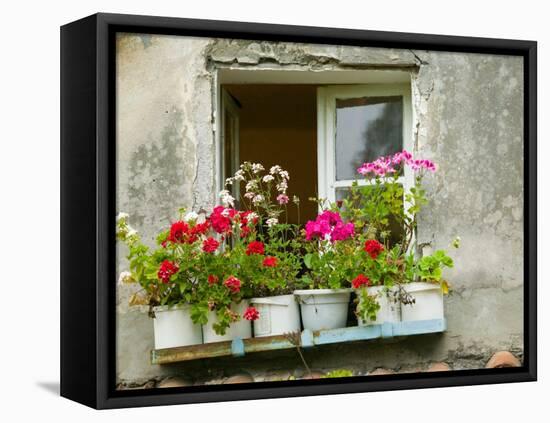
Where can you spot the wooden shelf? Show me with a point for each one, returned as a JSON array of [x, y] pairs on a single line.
[[239, 347]]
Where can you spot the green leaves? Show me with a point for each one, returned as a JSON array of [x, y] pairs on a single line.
[[307, 260], [199, 313], [367, 306], [430, 268]]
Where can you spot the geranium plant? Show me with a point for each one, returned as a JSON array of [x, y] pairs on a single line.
[[329, 252], [166, 274], [266, 251]]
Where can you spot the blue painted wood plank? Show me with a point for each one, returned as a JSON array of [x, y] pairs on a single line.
[[356, 333], [419, 327], [307, 338], [237, 347]]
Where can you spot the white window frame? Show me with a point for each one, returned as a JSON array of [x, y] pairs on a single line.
[[229, 105], [326, 132]]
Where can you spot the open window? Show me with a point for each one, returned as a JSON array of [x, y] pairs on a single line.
[[320, 133]]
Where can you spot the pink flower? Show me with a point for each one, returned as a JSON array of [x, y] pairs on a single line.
[[317, 229], [387, 165], [329, 223], [282, 199], [331, 217], [342, 231], [251, 314]]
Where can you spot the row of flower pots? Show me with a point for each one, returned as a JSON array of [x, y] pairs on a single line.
[[318, 308]]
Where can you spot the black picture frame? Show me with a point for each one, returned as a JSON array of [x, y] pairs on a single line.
[[88, 210]]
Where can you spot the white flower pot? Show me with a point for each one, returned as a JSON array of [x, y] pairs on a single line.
[[278, 315], [428, 303], [323, 308], [173, 327], [390, 310], [240, 329]]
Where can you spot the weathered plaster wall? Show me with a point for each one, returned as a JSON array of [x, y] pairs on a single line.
[[164, 146], [470, 114], [468, 119]]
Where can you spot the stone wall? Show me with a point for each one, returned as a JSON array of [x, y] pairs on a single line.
[[469, 119]]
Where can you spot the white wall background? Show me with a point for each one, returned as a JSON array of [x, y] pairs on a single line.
[[29, 212]]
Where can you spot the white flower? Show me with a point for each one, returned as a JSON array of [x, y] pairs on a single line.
[[252, 216], [282, 187], [239, 175], [190, 216], [251, 185], [229, 181], [268, 178], [125, 277], [131, 232], [257, 167], [227, 198], [122, 217], [284, 174], [272, 221], [296, 199], [249, 195], [275, 169], [258, 199]]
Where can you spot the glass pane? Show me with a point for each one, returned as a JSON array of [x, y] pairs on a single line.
[[366, 128]]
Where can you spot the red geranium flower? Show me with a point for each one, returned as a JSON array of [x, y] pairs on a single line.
[[233, 284], [251, 314], [212, 279], [209, 245], [221, 219], [373, 247], [359, 281], [178, 231], [255, 247], [245, 230], [201, 228], [166, 270], [270, 261]]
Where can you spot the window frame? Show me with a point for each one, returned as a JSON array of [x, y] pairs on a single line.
[[326, 132]]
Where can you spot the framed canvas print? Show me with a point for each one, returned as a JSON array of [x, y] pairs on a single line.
[[255, 211]]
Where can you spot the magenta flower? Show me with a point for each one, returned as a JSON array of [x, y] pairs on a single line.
[[329, 225], [331, 217], [342, 231], [317, 228], [390, 164]]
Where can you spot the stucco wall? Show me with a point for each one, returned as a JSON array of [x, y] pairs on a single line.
[[468, 119]]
